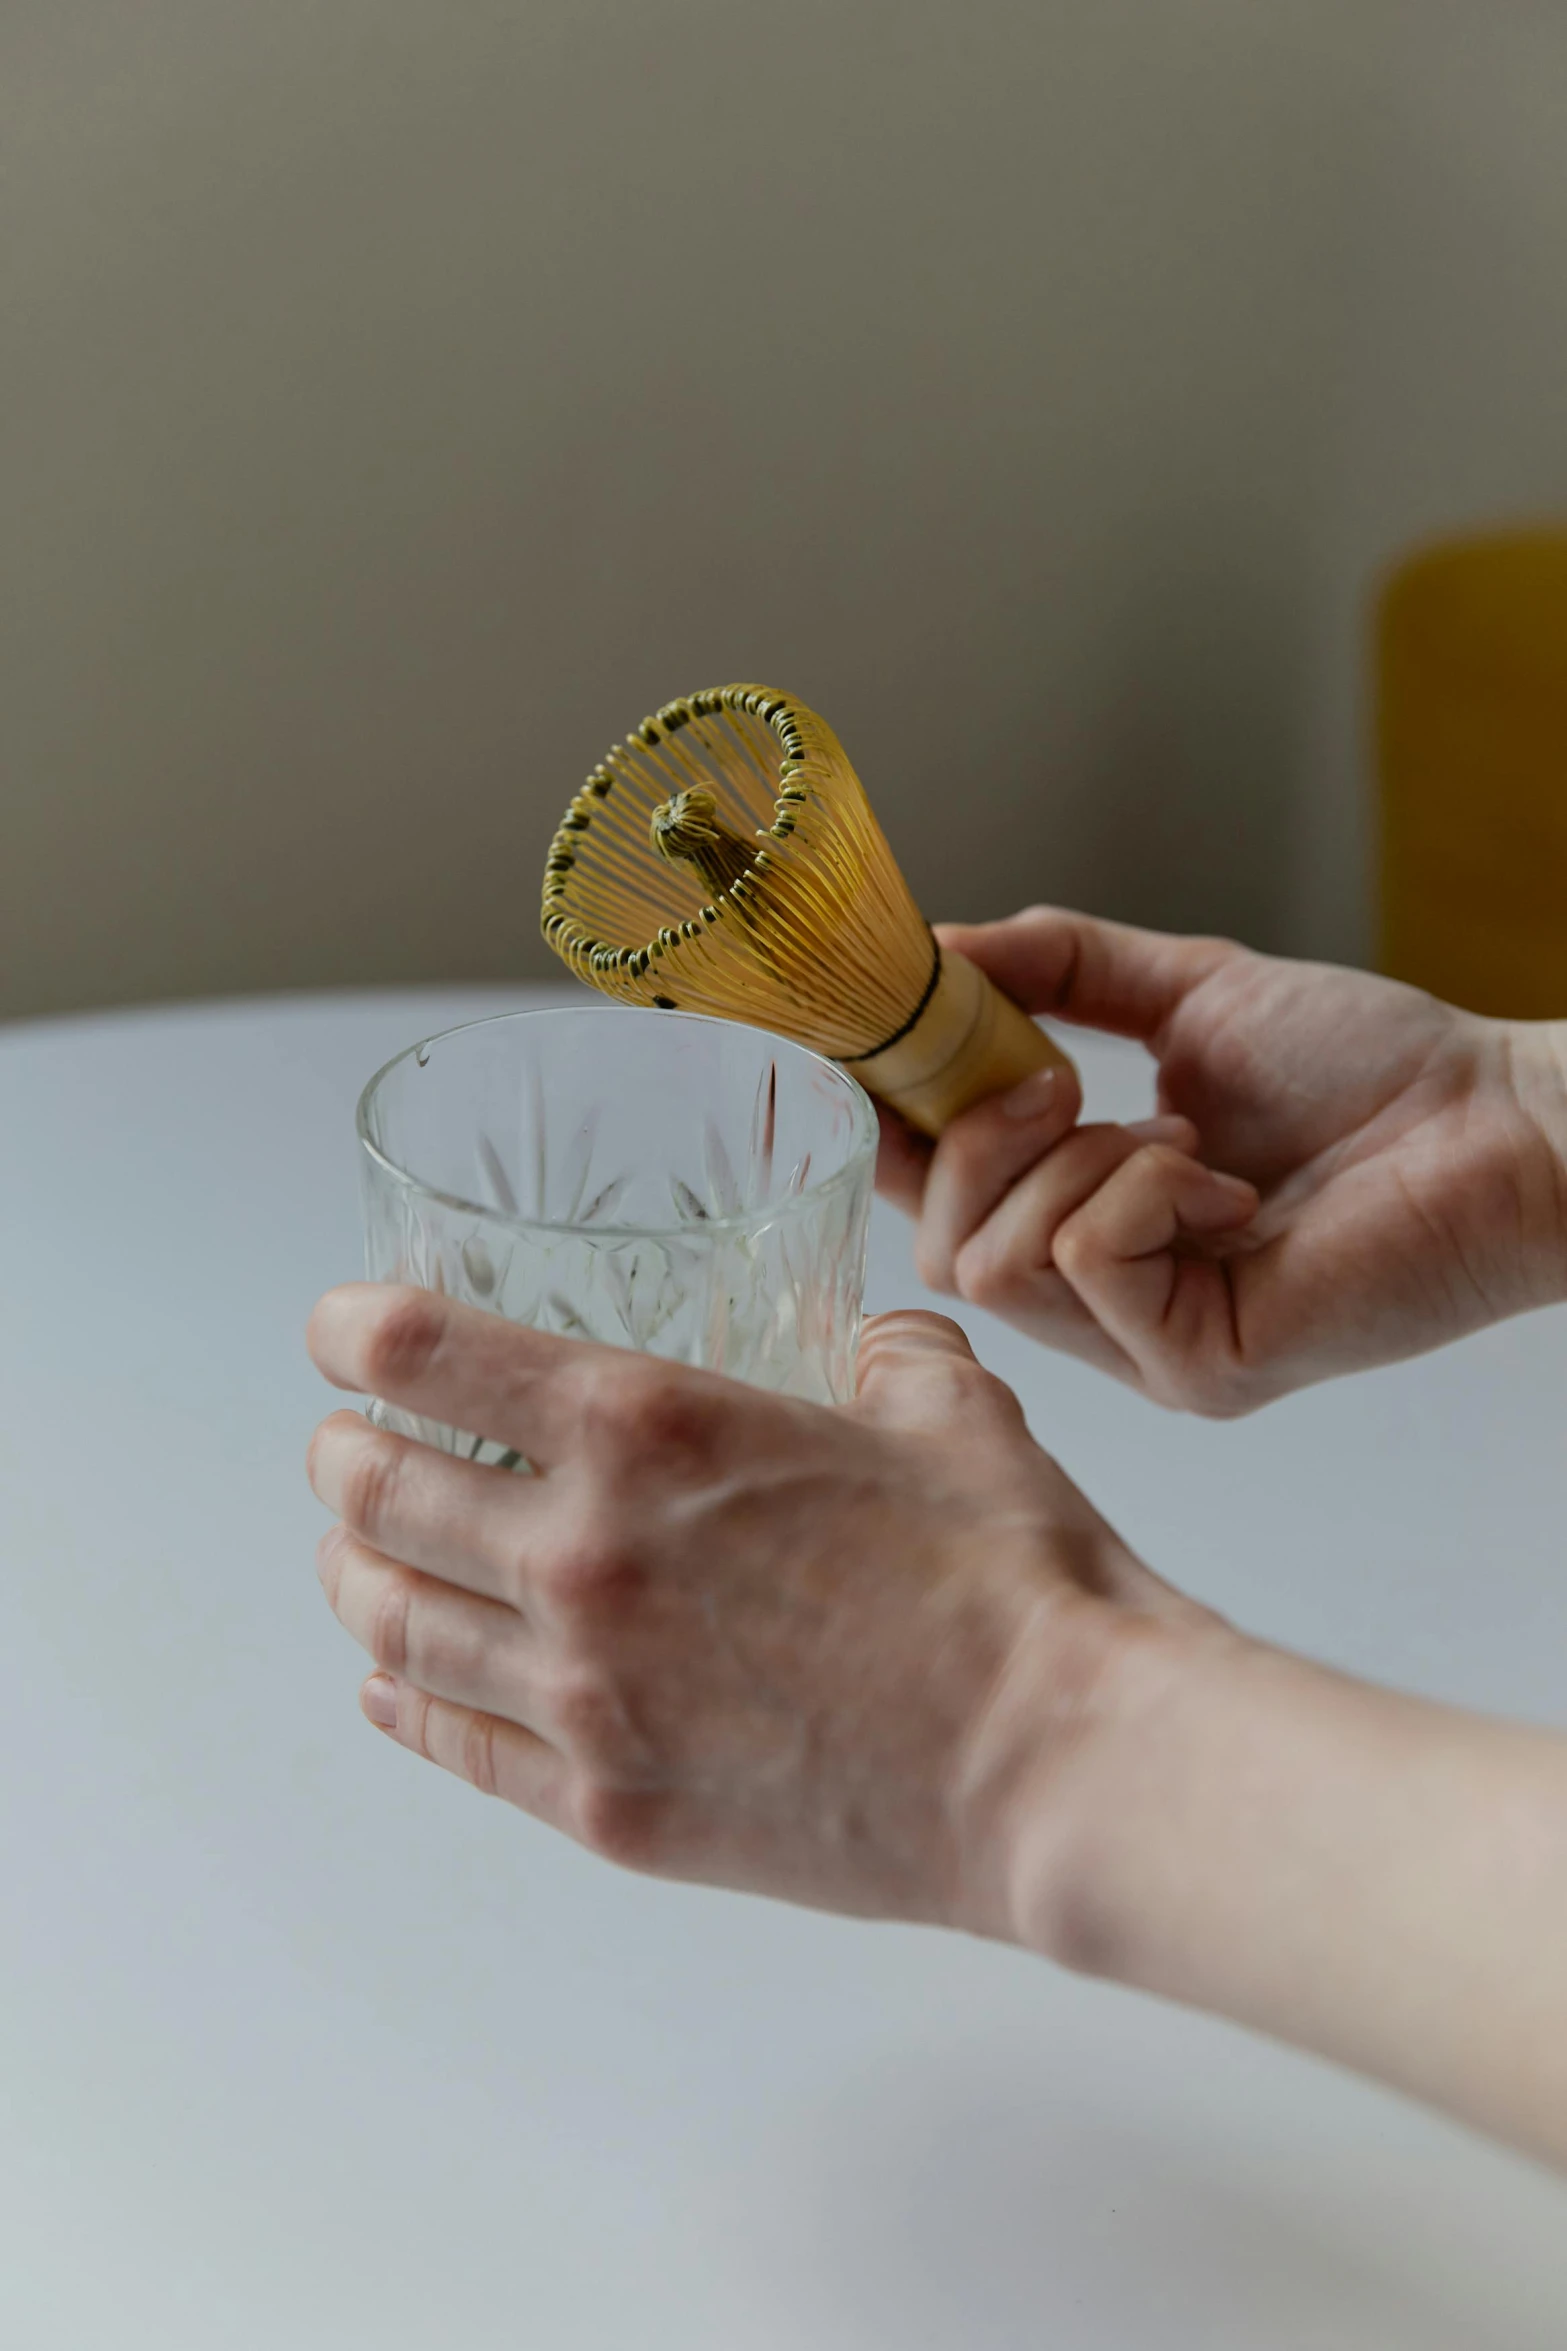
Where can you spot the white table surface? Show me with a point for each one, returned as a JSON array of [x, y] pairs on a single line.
[[303, 2044]]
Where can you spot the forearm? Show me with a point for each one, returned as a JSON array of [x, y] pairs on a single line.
[[1378, 1880]]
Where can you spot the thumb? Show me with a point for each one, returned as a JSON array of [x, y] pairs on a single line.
[[1104, 975], [909, 1337], [918, 1370]]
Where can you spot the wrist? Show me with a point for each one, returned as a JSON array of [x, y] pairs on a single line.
[[1094, 1832], [1054, 1806], [1538, 1057]]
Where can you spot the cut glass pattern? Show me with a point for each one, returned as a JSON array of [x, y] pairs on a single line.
[[684, 1187]]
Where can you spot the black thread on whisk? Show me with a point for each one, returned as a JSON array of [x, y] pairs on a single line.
[[898, 1035]]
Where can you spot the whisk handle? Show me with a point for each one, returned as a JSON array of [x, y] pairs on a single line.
[[970, 1041]]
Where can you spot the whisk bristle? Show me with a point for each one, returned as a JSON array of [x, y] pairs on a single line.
[[724, 860]]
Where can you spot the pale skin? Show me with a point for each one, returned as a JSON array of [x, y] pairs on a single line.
[[886, 1659]]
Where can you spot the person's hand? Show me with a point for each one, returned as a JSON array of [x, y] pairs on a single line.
[[885, 1659], [1343, 1171], [828, 1654]]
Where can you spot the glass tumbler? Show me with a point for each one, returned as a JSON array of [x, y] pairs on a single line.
[[688, 1187]]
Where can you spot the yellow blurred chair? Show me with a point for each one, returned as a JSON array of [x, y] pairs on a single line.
[[1472, 750]]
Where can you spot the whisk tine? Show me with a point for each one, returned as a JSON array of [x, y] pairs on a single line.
[[770, 896]]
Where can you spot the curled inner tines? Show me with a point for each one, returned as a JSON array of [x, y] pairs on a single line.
[[688, 830]]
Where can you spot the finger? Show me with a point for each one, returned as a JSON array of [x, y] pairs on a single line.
[[451, 1643], [497, 1757], [1167, 1309], [901, 1160], [1039, 1301], [463, 1521], [1016, 1279], [1166, 1129], [1104, 975], [1014, 1242], [980, 1157], [448, 1362]]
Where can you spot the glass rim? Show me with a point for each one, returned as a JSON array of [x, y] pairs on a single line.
[[862, 1145]]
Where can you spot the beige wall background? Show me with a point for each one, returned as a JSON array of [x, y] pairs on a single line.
[[403, 398]]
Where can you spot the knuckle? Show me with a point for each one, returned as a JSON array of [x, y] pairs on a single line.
[[325, 1439], [987, 1277], [592, 1574], [1222, 1400], [329, 1561], [405, 1339], [445, 1647], [967, 1390], [478, 1753], [990, 1392], [1078, 1249], [933, 1263], [371, 1483], [388, 1639], [643, 1414], [967, 1149], [414, 1710], [1161, 1166], [628, 1826], [313, 1456], [1209, 1386], [589, 1719]]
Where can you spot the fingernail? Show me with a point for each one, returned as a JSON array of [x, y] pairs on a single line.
[[379, 1700], [1235, 1186], [1032, 1096]]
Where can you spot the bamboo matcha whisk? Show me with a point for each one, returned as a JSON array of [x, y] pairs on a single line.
[[724, 859]]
